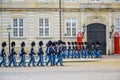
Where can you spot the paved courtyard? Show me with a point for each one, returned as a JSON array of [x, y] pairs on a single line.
[[106, 68]]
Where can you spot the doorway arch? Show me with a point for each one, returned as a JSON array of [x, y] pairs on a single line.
[[96, 32]]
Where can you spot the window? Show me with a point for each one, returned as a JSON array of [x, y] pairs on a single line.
[[44, 27], [70, 0], [70, 27], [17, 0], [18, 27], [117, 22], [117, 0], [95, 0], [43, 0]]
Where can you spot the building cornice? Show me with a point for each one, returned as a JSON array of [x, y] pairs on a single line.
[[63, 9]]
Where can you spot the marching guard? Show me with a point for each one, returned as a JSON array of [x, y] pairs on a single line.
[[49, 50], [40, 54], [3, 55], [53, 54], [59, 53], [73, 50], [32, 55], [69, 50], [98, 55], [12, 55], [63, 49], [22, 55], [92, 50], [79, 50]]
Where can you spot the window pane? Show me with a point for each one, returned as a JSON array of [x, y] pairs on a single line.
[[40, 31], [73, 24], [46, 31], [20, 32], [73, 31], [118, 22], [17, 0], [46, 22], [68, 24], [15, 22], [15, 32], [21, 22], [68, 31], [40, 22]]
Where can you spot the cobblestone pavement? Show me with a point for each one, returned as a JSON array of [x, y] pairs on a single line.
[[107, 68]]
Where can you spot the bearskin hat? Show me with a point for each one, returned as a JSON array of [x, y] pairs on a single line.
[[46, 44], [22, 44], [65, 43], [68, 43], [75, 43], [53, 44], [82, 43], [98, 43], [33, 44], [85, 42], [72, 43], [59, 42], [49, 43], [93, 43], [3, 44], [79, 43], [40, 43], [13, 44]]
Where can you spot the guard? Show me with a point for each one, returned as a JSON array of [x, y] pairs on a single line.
[[69, 50], [32, 55], [3, 55], [59, 51], [40, 54], [22, 55], [12, 55]]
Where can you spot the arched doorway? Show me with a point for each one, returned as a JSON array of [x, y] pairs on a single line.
[[97, 32]]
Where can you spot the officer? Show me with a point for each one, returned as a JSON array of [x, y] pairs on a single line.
[[49, 50], [12, 55], [59, 53], [69, 50], [22, 55], [73, 50], [92, 50], [32, 55], [40, 54], [3, 55]]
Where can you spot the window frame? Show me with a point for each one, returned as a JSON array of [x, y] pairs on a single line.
[[43, 1], [117, 22], [71, 27], [95, 1], [18, 28], [18, 0], [117, 1], [43, 27], [70, 1]]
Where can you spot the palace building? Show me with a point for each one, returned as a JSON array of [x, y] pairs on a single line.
[[35, 20]]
